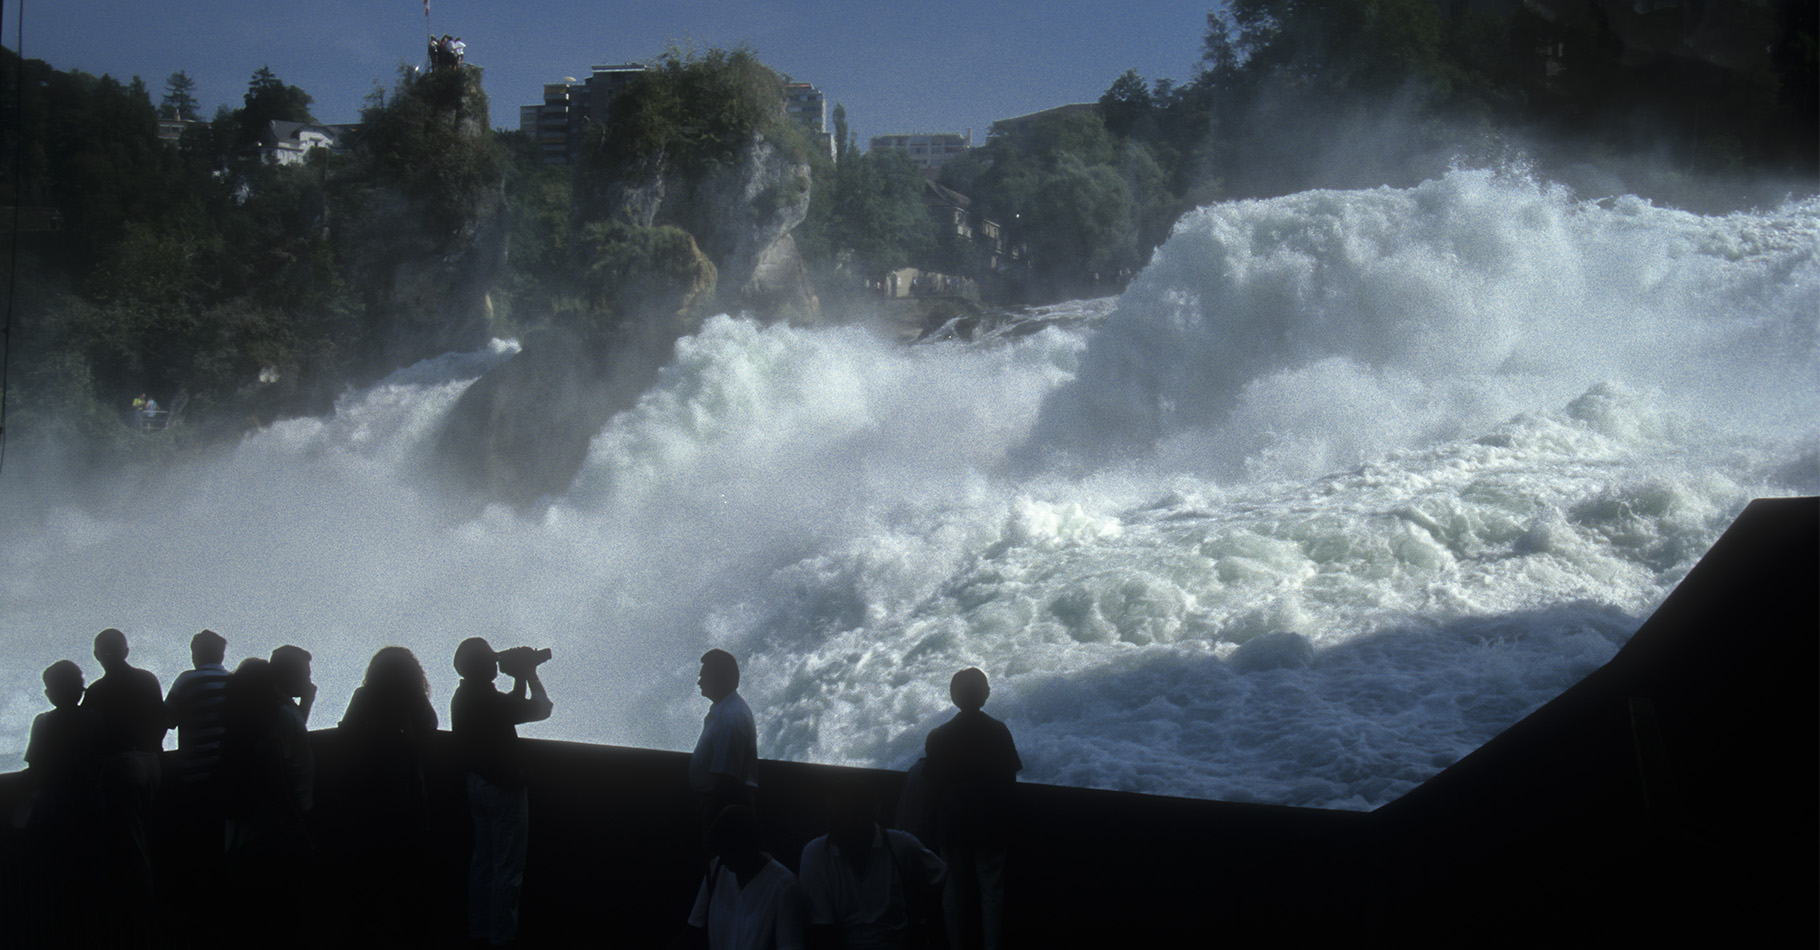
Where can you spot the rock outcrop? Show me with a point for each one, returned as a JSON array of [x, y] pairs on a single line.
[[521, 432], [741, 214], [425, 288], [428, 239], [683, 208]]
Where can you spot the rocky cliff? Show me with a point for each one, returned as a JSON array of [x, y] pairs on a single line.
[[740, 213], [684, 207], [426, 237]]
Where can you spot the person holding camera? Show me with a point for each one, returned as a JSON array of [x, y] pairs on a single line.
[[484, 721]]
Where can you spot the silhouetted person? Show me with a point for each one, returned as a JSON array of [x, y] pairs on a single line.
[[857, 879], [725, 760], [970, 767], [291, 667], [62, 756], [127, 700], [264, 749], [196, 707], [393, 699], [384, 729], [264, 753], [129, 707], [747, 901], [484, 721], [62, 766]]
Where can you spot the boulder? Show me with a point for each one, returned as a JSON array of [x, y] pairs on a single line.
[[521, 432]]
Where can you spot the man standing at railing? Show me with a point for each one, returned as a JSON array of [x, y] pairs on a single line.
[[484, 721], [722, 766]]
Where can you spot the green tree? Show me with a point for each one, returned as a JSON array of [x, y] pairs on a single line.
[[879, 218], [689, 113], [1085, 206], [539, 278], [269, 99], [430, 138], [840, 133], [1127, 107], [179, 100]]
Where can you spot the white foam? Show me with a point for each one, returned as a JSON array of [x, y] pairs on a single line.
[[1436, 452]]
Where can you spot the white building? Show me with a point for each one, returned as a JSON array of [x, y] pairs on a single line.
[[929, 150], [290, 143]]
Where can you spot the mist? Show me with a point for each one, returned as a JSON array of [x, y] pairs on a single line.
[[1344, 484]]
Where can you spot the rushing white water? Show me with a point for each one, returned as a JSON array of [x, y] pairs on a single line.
[[1345, 483]]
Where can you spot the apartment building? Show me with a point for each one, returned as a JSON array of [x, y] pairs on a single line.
[[557, 123], [568, 106], [927, 149], [809, 108]]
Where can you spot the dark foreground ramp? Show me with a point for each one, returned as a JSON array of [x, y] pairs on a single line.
[[1672, 794]]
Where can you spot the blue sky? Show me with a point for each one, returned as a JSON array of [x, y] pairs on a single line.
[[936, 65]]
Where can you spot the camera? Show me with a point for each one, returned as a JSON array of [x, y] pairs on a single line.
[[519, 662]]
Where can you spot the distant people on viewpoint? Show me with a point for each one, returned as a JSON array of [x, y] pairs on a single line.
[[484, 722], [970, 767], [747, 900], [723, 767], [129, 707], [860, 880], [447, 52]]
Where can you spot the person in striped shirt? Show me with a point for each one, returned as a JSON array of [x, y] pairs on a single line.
[[194, 706]]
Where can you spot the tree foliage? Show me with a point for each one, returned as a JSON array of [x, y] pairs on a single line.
[[179, 100], [1082, 204], [877, 215], [691, 112], [151, 270], [1281, 76], [430, 139], [269, 99]]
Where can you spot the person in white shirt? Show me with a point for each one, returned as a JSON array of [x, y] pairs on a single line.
[[747, 900], [726, 756], [858, 879]]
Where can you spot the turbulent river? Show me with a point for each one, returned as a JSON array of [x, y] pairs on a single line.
[[1342, 486]]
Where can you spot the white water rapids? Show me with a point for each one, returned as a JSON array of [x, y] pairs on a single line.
[[1346, 483]]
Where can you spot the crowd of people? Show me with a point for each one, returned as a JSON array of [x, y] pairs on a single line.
[[243, 789], [449, 52]]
